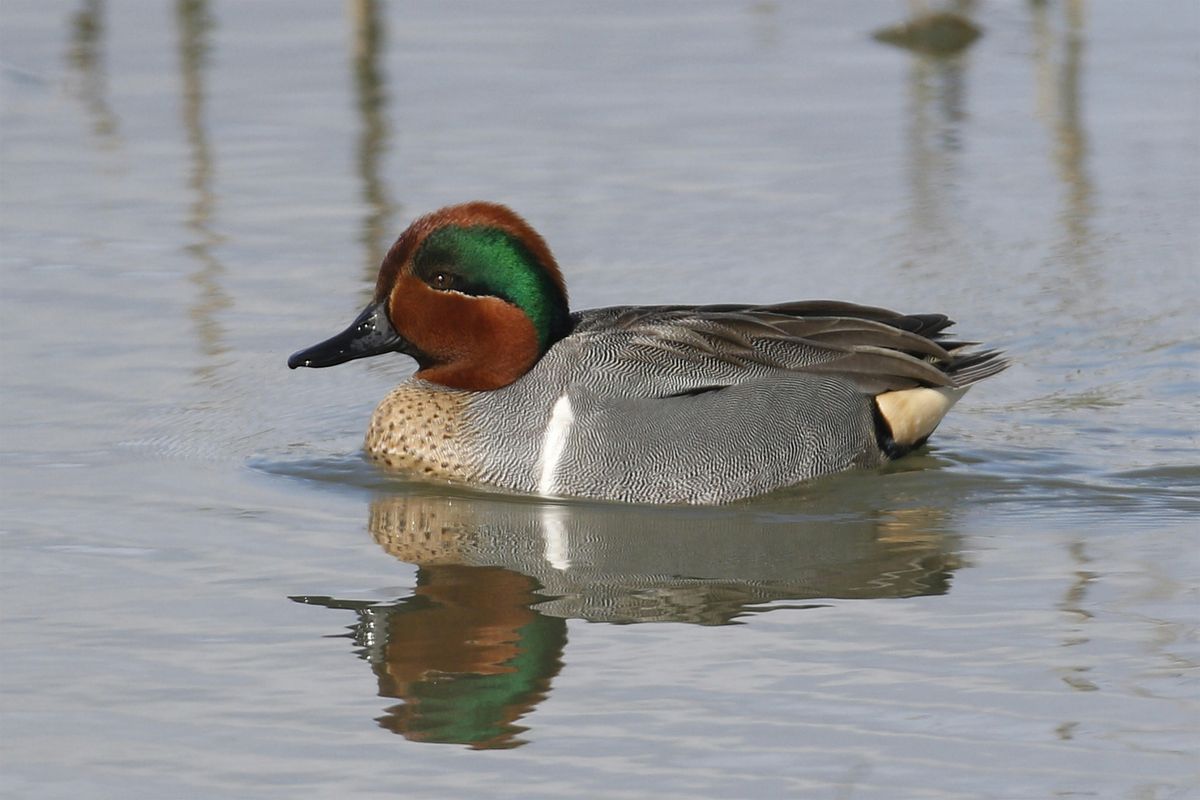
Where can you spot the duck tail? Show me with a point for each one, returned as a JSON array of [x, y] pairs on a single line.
[[968, 368], [904, 419]]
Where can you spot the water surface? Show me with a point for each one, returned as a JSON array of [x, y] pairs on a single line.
[[208, 594]]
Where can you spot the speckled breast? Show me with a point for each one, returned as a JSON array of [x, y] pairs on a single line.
[[422, 431]]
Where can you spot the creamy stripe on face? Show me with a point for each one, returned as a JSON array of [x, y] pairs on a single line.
[[554, 442]]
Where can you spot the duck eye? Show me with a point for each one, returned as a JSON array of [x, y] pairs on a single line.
[[442, 280]]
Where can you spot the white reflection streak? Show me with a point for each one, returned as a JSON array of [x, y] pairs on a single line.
[[556, 548]]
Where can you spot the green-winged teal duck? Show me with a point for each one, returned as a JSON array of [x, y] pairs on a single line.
[[652, 404]]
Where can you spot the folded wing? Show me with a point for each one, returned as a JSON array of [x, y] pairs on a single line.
[[666, 351]]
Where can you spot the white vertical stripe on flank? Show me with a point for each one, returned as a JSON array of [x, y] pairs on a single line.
[[554, 442]]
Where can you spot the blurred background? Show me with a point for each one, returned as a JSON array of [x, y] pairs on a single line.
[[206, 592]]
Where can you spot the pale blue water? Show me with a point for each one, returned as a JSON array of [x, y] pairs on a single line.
[[206, 593]]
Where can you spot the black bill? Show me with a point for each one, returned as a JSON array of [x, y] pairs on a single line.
[[371, 334]]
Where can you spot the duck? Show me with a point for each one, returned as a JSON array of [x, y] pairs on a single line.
[[656, 404]]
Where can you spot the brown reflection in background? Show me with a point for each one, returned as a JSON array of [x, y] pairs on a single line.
[[195, 24], [764, 22], [1058, 64], [936, 110], [1058, 69], [940, 31], [371, 95], [1072, 604], [85, 55], [938, 62]]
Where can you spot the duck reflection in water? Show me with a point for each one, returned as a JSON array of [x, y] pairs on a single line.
[[475, 646], [466, 653]]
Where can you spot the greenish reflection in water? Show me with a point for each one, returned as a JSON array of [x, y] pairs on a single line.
[[466, 652]]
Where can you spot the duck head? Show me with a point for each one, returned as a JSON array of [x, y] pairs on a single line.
[[471, 292]]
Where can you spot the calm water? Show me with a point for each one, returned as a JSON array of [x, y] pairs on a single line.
[[206, 594]]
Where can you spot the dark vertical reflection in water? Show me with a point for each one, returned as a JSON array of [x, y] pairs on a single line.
[[1057, 68], [371, 93], [937, 99], [195, 24], [764, 16], [937, 90], [1072, 604], [86, 56], [1059, 86]]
